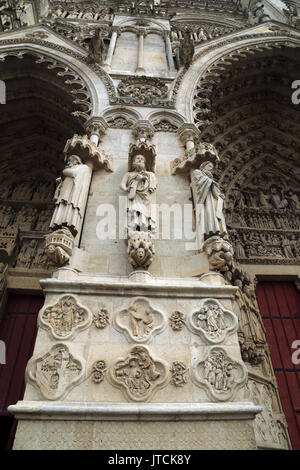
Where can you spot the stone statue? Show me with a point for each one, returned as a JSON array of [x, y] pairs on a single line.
[[70, 195], [186, 50], [96, 49], [209, 200], [140, 186]]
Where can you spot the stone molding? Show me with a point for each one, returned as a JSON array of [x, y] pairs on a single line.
[[155, 288], [42, 410]]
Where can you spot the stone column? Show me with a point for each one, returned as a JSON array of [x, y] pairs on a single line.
[[140, 68], [169, 52], [111, 50], [188, 134]]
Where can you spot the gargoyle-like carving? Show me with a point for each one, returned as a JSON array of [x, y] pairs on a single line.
[[220, 375], [140, 322], [219, 252], [55, 373], [59, 246], [140, 249], [65, 317], [213, 321], [179, 371], [99, 370], [177, 321], [101, 318], [139, 374]]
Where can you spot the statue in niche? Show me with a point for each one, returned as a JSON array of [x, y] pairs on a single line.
[[140, 186], [70, 195], [96, 49], [209, 199]]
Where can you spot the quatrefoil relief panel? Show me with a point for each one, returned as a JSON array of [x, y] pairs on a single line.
[[140, 322], [55, 373], [139, 374], [219, 374], [65, 318], [212, 321]]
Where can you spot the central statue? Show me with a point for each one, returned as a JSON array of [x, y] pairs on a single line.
[[140, 185]]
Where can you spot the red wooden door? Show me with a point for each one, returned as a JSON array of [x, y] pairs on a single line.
[[279, 304], [18, 330]]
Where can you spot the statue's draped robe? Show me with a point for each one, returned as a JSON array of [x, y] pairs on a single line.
[[209, 207], [70, 198], [140, 202]]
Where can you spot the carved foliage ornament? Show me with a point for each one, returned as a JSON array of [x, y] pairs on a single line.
[[101, 318], [99, 370], [220, 375], [213, 321], [65, 318], [142, 91], [178, 371], [140, 322], [139, 374], [177, 321], [55, 373]]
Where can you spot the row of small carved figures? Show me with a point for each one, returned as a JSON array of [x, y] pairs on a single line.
[[264, 221], [27, 218], [28, 191], [265, 244]]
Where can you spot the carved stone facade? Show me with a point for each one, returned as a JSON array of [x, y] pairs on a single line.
[[149, 179]]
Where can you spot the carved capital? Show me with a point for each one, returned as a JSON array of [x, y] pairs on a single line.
[[96, 126], [188, 132], [143, 131]]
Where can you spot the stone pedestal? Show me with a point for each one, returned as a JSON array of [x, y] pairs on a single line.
[[114, 366]]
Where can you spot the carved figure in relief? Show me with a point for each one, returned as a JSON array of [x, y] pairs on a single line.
[[64, 316], [219, 372], [276, 198], [6, 216], [209, 199], [140, 186], [138, 372], [140, 249], [70, 195], [142, 320], [55, 372], [211, 319]]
